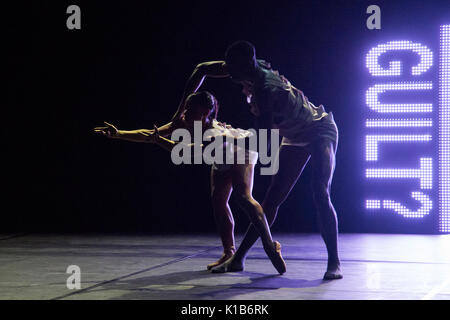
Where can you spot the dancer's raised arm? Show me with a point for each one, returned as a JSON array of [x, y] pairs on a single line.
[[213, 69]]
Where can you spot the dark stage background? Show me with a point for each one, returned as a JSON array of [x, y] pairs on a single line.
[[128, 65]]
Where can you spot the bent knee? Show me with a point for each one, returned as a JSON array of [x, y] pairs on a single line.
[[247, 200], [245, 197], [321, 193], [219, 200]]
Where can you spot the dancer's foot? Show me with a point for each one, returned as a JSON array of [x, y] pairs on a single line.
[[333, 272], [231, 265], [226, 255], [274, 254]]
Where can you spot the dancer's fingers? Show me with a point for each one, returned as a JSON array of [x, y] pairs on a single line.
[[101, 132], [109, 124]]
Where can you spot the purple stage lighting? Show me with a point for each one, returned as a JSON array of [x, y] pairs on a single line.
[[385, 125], [444, 130]]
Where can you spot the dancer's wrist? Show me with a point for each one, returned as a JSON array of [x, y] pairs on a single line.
[[118, 134], [156, 139]]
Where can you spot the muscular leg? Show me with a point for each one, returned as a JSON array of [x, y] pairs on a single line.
[[323, 163], [292, 160], [243, 185], [221, 187]]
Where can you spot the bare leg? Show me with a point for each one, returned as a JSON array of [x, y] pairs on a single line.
[[323, 164], [292, 161], [243, 185], [221, 187]]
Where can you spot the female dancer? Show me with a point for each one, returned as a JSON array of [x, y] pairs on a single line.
[[225, 178]]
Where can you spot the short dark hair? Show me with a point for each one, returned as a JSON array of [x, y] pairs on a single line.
[[240, 58], [241, 51], [203, 99]]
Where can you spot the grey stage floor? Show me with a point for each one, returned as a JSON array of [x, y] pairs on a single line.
[[376, 266]]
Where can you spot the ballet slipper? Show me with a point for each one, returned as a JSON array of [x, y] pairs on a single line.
[[275, 257], [228, 266], [225, 256]]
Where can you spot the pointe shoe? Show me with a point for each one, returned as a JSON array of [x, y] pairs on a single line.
[[227, 266], [276, 258], [222, 259]]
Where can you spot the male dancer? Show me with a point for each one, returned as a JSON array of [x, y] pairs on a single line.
[[308, 132]]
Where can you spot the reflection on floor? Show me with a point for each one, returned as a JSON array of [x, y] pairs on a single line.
[[376, 266]]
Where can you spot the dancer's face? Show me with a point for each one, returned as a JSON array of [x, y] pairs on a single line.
[[237, 76], [196, 113], [240, 72]]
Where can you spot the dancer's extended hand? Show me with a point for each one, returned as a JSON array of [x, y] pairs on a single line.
[[109, 131]]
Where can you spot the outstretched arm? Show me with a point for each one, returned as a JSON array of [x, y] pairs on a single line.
[[154, 135], [164, 143], [213, 69], [140, 135]]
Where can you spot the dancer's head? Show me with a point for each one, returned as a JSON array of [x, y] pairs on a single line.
[[200, 106], [240, 59]]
